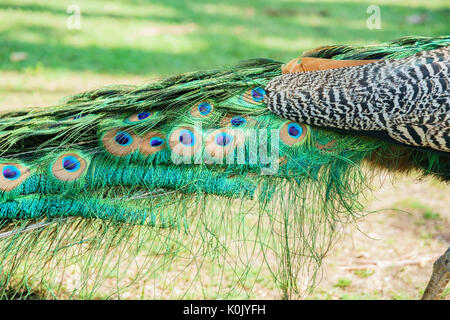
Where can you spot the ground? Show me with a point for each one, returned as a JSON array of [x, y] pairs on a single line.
[[136, 41], [392, 254]]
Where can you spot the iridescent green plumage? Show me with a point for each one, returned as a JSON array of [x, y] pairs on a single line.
[[107, 183]]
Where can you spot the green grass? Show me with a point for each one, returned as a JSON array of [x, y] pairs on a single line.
[[430, 215], [159, 37], [445, 293], [132, 41], [401, 296], [364, 273], [343, 283]]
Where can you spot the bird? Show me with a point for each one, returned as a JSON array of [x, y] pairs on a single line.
[[207, 174]]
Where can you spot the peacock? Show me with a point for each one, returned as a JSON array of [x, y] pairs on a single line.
[[198, 180]]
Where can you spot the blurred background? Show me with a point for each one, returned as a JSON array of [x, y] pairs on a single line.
[[50, 49]]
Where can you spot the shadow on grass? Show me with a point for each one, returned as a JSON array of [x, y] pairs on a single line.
[[23, 295], [226, 36]]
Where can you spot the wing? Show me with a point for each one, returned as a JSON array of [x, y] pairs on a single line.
[[402, 100]]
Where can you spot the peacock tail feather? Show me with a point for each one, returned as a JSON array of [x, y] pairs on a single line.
[[181, 182]]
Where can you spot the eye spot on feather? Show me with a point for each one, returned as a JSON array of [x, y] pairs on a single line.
[[221, 142], [60, 123], [187, 137], [152, 142], [138, 117], [223, 139], [254, 96], [293, 132], [120, 142], [235, 121], [258, 94], [78, 116], [156, 142], [71, 164], [69, 167], [75, 117], [13, 174], [123, 138], [185, 141], [238, 121], [202, 109], [54, 126], [143, 115]]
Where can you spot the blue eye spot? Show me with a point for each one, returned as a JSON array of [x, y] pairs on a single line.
[[156, 141], [258, 94], [70, 163], [79, 116], [134, 118], [295, 130], [238, 121], [143, 115], [187, 137], [53, 126], [11, 172], [223, 139], [123, 138], [204, 108]]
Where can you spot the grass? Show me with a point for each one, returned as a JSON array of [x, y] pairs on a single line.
[[400, 296], [135, 41], [364, 273], [445, 293], [343, 283]]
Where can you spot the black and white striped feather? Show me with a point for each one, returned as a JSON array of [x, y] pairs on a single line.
[[405, 101]]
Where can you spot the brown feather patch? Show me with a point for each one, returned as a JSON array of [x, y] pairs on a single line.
[[307, 64]]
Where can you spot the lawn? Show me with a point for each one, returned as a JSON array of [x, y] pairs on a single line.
[[133, 41], [136, 41]]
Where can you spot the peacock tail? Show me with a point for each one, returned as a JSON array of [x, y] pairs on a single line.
[[181, 182]]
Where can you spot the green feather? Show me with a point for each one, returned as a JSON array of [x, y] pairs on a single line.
[[275, 205]]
